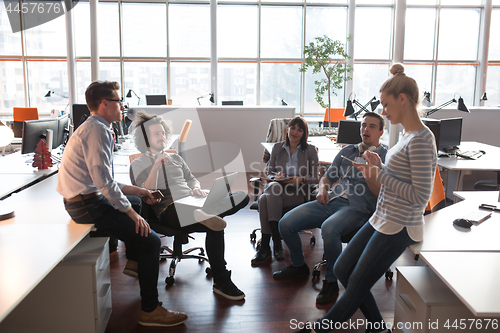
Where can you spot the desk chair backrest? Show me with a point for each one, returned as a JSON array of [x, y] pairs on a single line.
[[335, 115], [275, 133], [20, 115], [438, 196]]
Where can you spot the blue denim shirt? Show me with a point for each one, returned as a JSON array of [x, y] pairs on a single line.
[[359, 195]]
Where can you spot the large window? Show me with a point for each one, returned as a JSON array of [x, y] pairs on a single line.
[[164, 47]]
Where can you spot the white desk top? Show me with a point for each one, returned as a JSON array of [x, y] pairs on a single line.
[[441, 235], [467, 274], [13, 182], [487, 197], [488, 162], [17, 164]]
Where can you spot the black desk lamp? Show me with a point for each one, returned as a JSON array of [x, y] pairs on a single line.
[[461, 106], [427, 99], [211, 99], [349, 110], [129, 94], [50, 93]]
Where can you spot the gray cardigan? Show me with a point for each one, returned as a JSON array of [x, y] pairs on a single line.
[[307, 162]]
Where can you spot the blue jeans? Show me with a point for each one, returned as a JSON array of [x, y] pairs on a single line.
[[366, 258], [336, 218], [144, 250]]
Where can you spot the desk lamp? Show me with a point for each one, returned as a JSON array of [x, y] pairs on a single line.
[[349, 110], [461, 106], [211, 99], [50, 93], [427, 99], [129, 94]]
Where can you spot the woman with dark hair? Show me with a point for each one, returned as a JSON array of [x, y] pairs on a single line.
[[293, 166]]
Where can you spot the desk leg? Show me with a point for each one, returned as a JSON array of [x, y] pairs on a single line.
[[460, 181]]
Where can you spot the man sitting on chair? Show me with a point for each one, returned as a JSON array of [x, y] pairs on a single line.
[[169, 173], [345, 201]]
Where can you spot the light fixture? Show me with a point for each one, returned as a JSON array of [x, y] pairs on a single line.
[[427, 99], [50, 93], [211, 99], [484, 97], [461, 106], [349, 110], [129, 94], [283, 102]]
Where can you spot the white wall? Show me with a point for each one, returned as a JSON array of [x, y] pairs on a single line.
[[242, 128]]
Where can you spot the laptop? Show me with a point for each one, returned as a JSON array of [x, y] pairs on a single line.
[[220, 189]]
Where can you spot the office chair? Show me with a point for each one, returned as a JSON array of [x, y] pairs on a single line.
[[488, 184], [180, 237], [335, 115], [182, 138], [20, 115]]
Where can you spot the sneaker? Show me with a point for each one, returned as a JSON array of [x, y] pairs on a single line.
[[261, 256], [226, 288], [131, 269], [291, 272], [212, 222], [279, 253], [161, 317], [328, 293]]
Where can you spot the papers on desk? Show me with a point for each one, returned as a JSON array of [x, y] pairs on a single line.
[[477, 216]]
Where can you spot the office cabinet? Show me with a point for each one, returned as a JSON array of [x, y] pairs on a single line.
[[424, 304], [74, 297]]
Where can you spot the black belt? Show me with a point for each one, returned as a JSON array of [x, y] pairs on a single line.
[[82, 197]]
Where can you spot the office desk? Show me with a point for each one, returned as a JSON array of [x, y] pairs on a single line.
[[472, 276], [441, 235], [488, 162], [34, 241], [487, 197]]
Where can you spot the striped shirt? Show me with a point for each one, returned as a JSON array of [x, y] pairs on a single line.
[[407, 180]]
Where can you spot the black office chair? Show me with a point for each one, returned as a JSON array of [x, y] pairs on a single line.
[[175, 253], [488, 184]]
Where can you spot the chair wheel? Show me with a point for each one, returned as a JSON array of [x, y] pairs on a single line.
[[312, 241], [316, 274], [208, 270], [389, 274], [253, 237], [202, 252], [169, 280]]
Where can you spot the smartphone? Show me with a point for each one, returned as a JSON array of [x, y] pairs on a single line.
[[157, 194], [359, 160], [345, 158]]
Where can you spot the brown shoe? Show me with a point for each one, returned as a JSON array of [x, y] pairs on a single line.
[[161, 317], [131, 268]]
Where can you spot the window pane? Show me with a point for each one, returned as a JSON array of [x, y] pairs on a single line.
[[493, 86], [419, 33], [373, 41], [47, 39], [328, 1], [144, 30], [330, 21], [44, 76], [374, 2], [310, 104], [461, 2], [458, 34], [280, 81], [422, 74], [108, 29], [298, 1], [12, 79], [421, 2], [368, 78], [237, 31], [189, 81], [145, 78], [189, 30], [455, 79], [108, 70], [237, 82], [10, 43], [494, 49], [281, 35], [81, 15]]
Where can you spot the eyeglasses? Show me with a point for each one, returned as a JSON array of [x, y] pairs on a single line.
[[115, 100]]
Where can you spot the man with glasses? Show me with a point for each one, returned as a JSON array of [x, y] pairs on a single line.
[[92, 196]]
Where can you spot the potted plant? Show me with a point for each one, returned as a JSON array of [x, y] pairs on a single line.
[[327, 55]]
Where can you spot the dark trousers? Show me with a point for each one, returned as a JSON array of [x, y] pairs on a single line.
[[145, 250]]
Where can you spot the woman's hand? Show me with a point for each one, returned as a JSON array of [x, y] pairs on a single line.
[[279, 176], [198, 192], [372, 158]]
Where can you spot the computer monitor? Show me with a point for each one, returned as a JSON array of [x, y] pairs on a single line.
[[62, 131], [450, 133], [80, 113], [349, 132], [156, 99], [232, 102], [34, 130], [435, 127]]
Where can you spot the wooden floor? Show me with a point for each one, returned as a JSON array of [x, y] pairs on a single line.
[[270, 306]]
